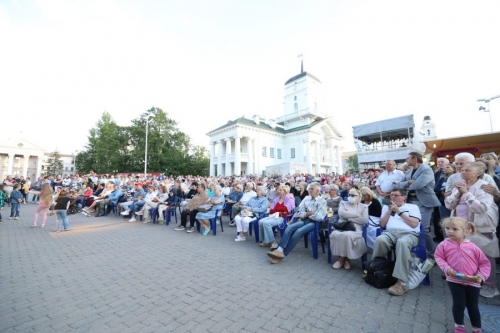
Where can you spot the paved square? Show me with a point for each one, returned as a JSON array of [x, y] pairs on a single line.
[[107, 275]]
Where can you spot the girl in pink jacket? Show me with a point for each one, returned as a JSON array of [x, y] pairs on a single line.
[[466, 268]]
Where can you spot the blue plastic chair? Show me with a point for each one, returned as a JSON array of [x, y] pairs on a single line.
[[313, 235], [167, 213], [420, 250], [113, 208], [213, 221]]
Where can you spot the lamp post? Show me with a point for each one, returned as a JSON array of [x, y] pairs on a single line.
[[146, 150], [482, 108]]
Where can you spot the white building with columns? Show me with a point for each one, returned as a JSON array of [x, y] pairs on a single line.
[[19, 157], [303, 140]]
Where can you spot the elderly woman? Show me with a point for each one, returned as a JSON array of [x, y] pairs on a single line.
[[492, 160], [191, 209], [374, 213], [469, 201], [282, 204], [302, 192], [255, 205], [249, 193], [217, 201], [333, 201], [350, 244]]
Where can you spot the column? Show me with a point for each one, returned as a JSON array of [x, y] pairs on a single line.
[[256, 160], [250, 156], [339, 161], [25, 165], [219, 158], [318, 159], [228, 170], [308, 157], [237, 156], [330, 154], [10, 164], [39, 163], [212, 158]]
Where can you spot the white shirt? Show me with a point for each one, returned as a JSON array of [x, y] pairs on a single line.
[[396, 222], [247, 196], [386, 179]]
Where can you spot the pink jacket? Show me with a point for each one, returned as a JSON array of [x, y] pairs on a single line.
[[464, 257]]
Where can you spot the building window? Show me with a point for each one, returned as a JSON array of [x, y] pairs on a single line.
[[292, 153], [264, 151], [296, 107], [294, 98], [279, 154], [65, 168], [72, 169], [271, 152]]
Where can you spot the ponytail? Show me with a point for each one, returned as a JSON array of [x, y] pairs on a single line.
[[472, 228]]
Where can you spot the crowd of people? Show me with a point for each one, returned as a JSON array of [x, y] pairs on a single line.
[[403, 201]]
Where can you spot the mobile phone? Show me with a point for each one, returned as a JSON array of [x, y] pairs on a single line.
[[386, 202]]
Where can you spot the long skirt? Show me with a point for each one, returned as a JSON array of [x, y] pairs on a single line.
[[350, 244]]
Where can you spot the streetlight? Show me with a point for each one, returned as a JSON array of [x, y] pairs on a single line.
[[482, 108]]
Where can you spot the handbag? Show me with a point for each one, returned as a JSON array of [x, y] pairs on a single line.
[[204, 208], [488, 245], [344, 226]]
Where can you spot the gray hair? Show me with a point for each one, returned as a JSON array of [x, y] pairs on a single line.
[[240, 187], [316, 185], [262, 190], [334, 187], [218, 187], [467, 156]]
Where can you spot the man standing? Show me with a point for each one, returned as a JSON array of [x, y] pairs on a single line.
[[311, 210], [419, 182], [389, 179]]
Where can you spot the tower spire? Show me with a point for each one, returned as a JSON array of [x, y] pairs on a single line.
[[301, 63]]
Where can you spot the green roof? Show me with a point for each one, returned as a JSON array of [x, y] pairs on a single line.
[[262, 125]]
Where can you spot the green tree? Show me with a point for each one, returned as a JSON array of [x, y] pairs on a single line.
[[352, 162], [55, 164]]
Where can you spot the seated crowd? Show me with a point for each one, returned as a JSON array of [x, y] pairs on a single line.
[[401, 202]]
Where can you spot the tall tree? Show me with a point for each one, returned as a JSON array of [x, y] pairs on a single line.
[[352, 162], [55, 164]]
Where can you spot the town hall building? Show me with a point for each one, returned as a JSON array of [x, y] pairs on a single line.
[[303, 140]]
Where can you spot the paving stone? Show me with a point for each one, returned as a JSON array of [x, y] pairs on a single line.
[[113, 276]]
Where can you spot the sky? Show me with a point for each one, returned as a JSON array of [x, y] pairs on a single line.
[[205, 62]]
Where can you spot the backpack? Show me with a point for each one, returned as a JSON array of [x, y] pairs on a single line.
[[378, 273]]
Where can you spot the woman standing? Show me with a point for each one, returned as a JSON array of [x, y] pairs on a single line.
[[46, 199], [350, 244], [440, 188], [469, 201], [61, 207]]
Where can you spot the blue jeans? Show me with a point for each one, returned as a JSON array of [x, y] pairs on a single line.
[[294, 232], [14, 209], [63, 218], [266, 233], [137, 206]]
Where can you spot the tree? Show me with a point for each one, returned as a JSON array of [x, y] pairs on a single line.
[[352, 162], [55, 165]]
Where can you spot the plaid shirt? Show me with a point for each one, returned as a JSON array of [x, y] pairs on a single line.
[[316, 205]]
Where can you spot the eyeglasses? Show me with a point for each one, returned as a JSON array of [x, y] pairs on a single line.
[[353, 195]]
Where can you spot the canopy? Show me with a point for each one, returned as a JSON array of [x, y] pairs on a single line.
[[389, 129], [475, 144]]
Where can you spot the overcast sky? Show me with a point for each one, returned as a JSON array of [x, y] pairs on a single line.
[[204, 62]]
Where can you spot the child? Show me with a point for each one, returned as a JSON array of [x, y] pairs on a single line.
[[46, 199], [3, 197], [16, 197], [466, 268], [61, 207]]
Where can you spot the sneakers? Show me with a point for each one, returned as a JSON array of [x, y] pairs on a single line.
[[232, 224], [180, 228], [459, 329], [398, 289], [146, 221], [16, 218], [132, 219], [275, 254], [275, 261], [263, 244], [240, 239], [190, 230], [488, 292], [141, 212], [10, 218], [126, 212], [206, 231]]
